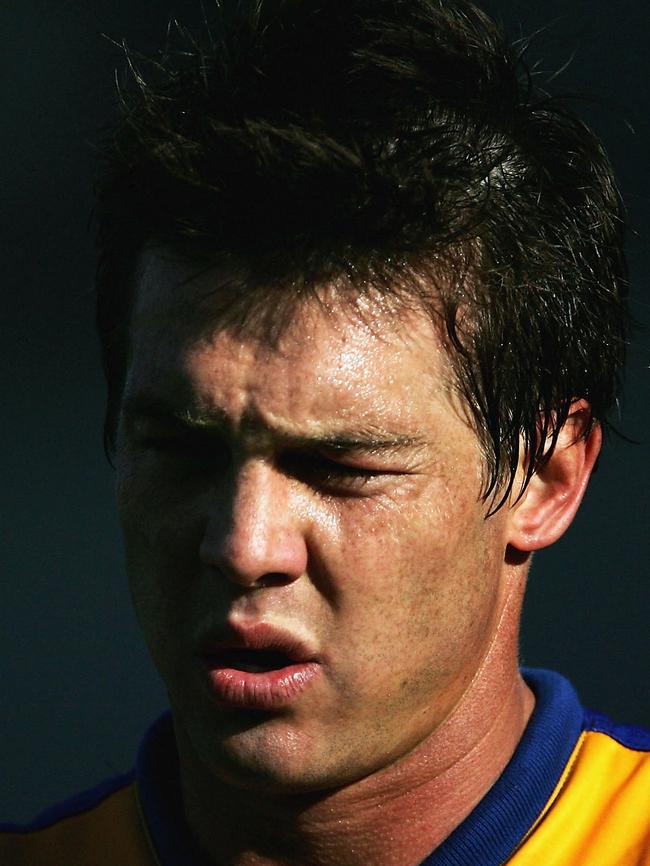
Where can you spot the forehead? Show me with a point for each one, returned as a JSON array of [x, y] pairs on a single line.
[[332, 358]]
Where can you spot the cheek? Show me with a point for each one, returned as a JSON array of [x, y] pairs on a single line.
[[418, 589], [161, 542]]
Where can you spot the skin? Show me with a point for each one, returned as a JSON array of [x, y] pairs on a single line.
[[377, 552]]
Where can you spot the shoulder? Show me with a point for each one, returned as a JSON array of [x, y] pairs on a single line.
[[100, 826], [611, 767], [599, 811], [610, 781]]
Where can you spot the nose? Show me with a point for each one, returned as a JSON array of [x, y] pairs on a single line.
[[255, 535]]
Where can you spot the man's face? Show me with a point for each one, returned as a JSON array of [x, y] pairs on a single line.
[[308, 556]]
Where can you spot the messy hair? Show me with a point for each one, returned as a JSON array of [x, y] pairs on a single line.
[[401, 146]]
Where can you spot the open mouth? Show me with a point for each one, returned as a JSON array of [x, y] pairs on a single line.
[[252, 661], [270, 671]]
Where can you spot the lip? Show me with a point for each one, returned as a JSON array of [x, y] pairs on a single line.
[[264, 690]]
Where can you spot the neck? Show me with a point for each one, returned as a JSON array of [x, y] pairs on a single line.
[[394, 817]]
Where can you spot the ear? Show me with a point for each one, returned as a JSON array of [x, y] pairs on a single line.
[[555, 491]]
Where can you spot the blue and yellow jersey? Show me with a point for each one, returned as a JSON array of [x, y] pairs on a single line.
[[575, 793]]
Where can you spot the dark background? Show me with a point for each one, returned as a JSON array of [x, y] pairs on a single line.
[[76, 688]]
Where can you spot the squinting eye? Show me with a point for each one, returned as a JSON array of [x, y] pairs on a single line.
[[315, 468], [187, 446], [173, 444]]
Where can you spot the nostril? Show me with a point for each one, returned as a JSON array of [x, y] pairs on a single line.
[[274, 579]]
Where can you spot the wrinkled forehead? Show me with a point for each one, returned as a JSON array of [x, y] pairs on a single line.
[[326, 359], [335, 365]]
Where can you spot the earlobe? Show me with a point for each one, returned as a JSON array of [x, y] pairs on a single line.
[[555, 492]]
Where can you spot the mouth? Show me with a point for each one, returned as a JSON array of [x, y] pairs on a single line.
[[259, 667]]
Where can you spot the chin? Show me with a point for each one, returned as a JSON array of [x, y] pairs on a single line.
[[253, 751]]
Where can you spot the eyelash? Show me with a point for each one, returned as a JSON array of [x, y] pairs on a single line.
[[326, 470], [181, 442]]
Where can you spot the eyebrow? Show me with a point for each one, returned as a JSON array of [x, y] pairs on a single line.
[[365, 438], [154, 408]]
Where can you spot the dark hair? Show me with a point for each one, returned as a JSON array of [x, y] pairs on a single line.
[[401, 145]]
